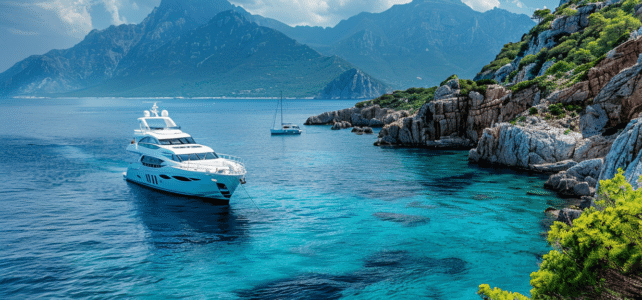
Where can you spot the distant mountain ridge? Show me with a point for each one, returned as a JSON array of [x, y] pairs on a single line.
[[414, 44], [231, 56], [157, 58], [407, 45]]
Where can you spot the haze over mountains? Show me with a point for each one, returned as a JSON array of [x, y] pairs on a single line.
[[200, 48]]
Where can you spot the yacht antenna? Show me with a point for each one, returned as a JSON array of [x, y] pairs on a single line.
[[154, 110]]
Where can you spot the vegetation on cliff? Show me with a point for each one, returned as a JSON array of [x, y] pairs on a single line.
[[413, 98], [410, 99], [599, 257], [571, 55]]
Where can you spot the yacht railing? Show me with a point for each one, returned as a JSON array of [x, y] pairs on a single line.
[[235, 168]]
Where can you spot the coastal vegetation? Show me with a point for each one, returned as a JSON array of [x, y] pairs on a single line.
[[410, 99], [413, 98], [598, 257]]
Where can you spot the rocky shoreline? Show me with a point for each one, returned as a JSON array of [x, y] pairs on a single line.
[[516, 129]]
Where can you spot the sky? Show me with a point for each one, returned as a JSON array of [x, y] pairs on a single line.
[[29, 27]]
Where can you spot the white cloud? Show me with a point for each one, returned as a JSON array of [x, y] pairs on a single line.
[[314, 13], [112, 6], [518, 3], [482, 5], [73, 13]]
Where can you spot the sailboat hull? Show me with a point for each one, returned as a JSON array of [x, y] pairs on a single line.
[[285, 131]]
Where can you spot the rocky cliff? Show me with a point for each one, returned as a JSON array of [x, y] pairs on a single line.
[[579, 124]]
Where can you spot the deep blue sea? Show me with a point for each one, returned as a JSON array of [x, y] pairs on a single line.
[[324, 215]]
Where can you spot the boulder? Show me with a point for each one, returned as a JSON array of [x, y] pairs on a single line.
[[567, 215], [578, 180], [341, 125]]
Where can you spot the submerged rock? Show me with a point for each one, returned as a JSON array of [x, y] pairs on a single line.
[[406, 220]]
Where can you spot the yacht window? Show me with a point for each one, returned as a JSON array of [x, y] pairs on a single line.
[[151, 162], [165, 142], [191, 140], [184, 141], [210, 155], [193, 156], [156, 124], [149, 140], [183, 157]]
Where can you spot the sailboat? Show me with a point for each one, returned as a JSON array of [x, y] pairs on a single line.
[[286, 128]]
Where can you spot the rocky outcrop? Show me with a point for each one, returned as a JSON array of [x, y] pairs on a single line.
[[370, 116], [625, 154], [517, 146], [362, 130], [353, 84], [579, 180], [341, 125], [618, 102], [458, 119]]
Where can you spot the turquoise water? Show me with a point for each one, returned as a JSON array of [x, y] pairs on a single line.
[[324, 215]]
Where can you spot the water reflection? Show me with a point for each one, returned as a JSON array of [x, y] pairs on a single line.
[[176, 222]]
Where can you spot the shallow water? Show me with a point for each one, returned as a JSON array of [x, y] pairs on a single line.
[[324, 215]]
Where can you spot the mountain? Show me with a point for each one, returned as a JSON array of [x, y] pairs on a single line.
[[232, 56], [416, 43], [181, 50], [104, 53]]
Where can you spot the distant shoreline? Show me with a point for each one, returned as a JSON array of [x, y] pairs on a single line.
[[165, 98]]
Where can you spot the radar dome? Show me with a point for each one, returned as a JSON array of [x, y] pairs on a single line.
[[164, 113], [147, 114]]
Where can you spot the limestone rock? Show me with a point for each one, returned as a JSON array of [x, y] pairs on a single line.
[[597, 146], [578, 180], [503, 72], [567, 215], [521, 147], [553, 167], [625, 154], [341, 125]]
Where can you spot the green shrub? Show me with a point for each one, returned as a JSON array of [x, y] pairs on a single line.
[[451, 77], [567, 131], [562, 49], [556, 109], [532, 111], [580, 56], [559, 68], [486, 82], [599, 257]]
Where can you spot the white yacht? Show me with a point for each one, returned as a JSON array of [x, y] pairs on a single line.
[[170, 160]]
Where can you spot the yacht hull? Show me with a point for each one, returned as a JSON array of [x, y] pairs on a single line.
[[187, 183]]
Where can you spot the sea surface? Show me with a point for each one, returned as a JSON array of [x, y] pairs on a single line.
[[324, 215]]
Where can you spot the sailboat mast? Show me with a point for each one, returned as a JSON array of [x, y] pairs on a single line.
[[281, 108]]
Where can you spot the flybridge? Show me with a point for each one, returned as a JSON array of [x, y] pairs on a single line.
[[155, 122]]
